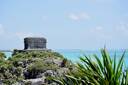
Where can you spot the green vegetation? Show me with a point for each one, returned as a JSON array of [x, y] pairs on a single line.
[[39, 64], [29, 65], [105, 71]]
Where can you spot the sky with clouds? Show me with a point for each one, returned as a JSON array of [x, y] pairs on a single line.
[[67, 24]]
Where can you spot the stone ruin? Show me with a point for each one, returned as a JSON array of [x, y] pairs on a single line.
[[34, 43]]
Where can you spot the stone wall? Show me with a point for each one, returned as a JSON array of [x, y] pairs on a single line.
[[35, 43]]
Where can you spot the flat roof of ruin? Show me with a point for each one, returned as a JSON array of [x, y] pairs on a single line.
[[34, 37]]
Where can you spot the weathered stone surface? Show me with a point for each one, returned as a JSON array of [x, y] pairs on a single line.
[[37, 81], [34, 43]]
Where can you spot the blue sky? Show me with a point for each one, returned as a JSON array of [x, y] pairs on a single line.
[[67, 24]]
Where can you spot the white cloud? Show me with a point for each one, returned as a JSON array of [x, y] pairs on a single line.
[[2, 31], [122, 29], [116, 36], [73, 17], [99, 28], [100, 32], [79, 16]]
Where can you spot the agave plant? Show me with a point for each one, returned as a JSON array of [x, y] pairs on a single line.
[[105, 71]]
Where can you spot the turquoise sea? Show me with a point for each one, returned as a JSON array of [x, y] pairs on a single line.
[[74, 54]]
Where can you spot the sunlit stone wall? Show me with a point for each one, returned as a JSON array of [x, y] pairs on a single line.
[[34, 43]]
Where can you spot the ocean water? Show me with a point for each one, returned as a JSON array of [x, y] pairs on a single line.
[[74, 54], [8, 54]]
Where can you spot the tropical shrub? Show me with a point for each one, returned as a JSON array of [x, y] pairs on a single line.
[[2, 55], [105, 71]]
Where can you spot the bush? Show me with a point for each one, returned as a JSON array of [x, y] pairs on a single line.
[[39, 67], [28, 65], [2, 56]]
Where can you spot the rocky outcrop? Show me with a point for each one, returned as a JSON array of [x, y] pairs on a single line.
[[34, 68]]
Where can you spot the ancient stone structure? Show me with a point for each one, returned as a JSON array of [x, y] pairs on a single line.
[[35, 43]]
